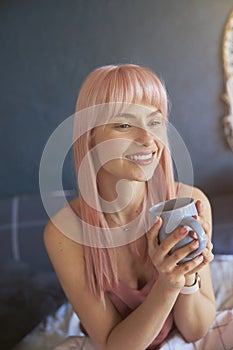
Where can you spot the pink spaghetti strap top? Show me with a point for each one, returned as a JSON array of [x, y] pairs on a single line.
[[126, 300], [178, 189]]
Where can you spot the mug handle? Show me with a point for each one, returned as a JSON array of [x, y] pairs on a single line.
[[195, 226]]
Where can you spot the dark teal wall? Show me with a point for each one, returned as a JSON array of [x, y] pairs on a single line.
[[49, 46]]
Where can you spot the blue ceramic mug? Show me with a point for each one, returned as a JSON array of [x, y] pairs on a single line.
[[179, 212]]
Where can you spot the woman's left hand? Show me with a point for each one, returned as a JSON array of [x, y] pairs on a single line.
[[207, 252]]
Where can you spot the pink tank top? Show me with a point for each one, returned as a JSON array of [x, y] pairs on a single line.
[[126, 300]]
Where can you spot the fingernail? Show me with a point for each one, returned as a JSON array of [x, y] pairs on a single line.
[[200, 258], [183, 230]]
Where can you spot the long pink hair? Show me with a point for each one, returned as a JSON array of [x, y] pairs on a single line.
[[110, 84]]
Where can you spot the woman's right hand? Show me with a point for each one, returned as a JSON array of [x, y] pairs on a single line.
[[167, 264]]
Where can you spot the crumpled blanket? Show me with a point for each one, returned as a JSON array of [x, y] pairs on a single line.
[[220, 335], [65, 324]]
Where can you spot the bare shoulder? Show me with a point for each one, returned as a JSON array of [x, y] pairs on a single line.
[[194, 192], [62, 239], [198, 194], [65, 225]]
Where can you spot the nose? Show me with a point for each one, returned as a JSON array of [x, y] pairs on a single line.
[[144, 137]]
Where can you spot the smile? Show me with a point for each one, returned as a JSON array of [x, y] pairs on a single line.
[[141, 158]]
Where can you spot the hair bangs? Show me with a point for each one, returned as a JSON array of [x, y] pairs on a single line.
[[127, 83]]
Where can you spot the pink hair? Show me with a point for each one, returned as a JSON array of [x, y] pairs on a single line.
[[116, 83]]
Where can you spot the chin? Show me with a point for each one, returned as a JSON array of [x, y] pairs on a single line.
[[141, 176]]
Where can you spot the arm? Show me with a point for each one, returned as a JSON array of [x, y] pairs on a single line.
[[194, 313]]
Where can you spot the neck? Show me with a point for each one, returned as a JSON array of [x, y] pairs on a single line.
[[121, 199]]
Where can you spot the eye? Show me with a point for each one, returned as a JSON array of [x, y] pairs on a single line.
[[154, 123], [123, 126]]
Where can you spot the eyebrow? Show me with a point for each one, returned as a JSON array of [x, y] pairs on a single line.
[[130, 115]]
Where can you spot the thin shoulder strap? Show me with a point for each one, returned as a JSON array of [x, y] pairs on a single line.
[[178, 189]]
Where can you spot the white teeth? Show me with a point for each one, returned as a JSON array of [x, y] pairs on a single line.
[[140, 157]]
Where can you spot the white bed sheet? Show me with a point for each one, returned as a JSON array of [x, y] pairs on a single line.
[[64, 323]]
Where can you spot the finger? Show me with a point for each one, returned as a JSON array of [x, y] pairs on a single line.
[[168, 243], [207, 252], [153, 232], [199, 207], [210, 246], [193, 234], [183, 252], [204, 263], [205, 224], [191, 266], [152, 236], [208, 256]]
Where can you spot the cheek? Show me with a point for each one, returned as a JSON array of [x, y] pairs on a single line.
[[160, 147], [109, 151]]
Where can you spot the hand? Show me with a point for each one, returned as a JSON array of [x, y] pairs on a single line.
[[207, 252], [167, 264], [201, 217]]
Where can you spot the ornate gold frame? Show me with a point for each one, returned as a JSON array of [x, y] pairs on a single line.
[[227, 54]]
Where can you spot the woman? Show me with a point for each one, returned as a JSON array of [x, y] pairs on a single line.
[[125, 287]]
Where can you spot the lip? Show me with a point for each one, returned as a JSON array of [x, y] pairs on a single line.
[[141, 158]]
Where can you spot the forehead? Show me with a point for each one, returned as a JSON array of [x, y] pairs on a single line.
[[134, 110]]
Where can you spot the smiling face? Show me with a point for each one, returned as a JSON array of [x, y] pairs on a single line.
[[129, 146]]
